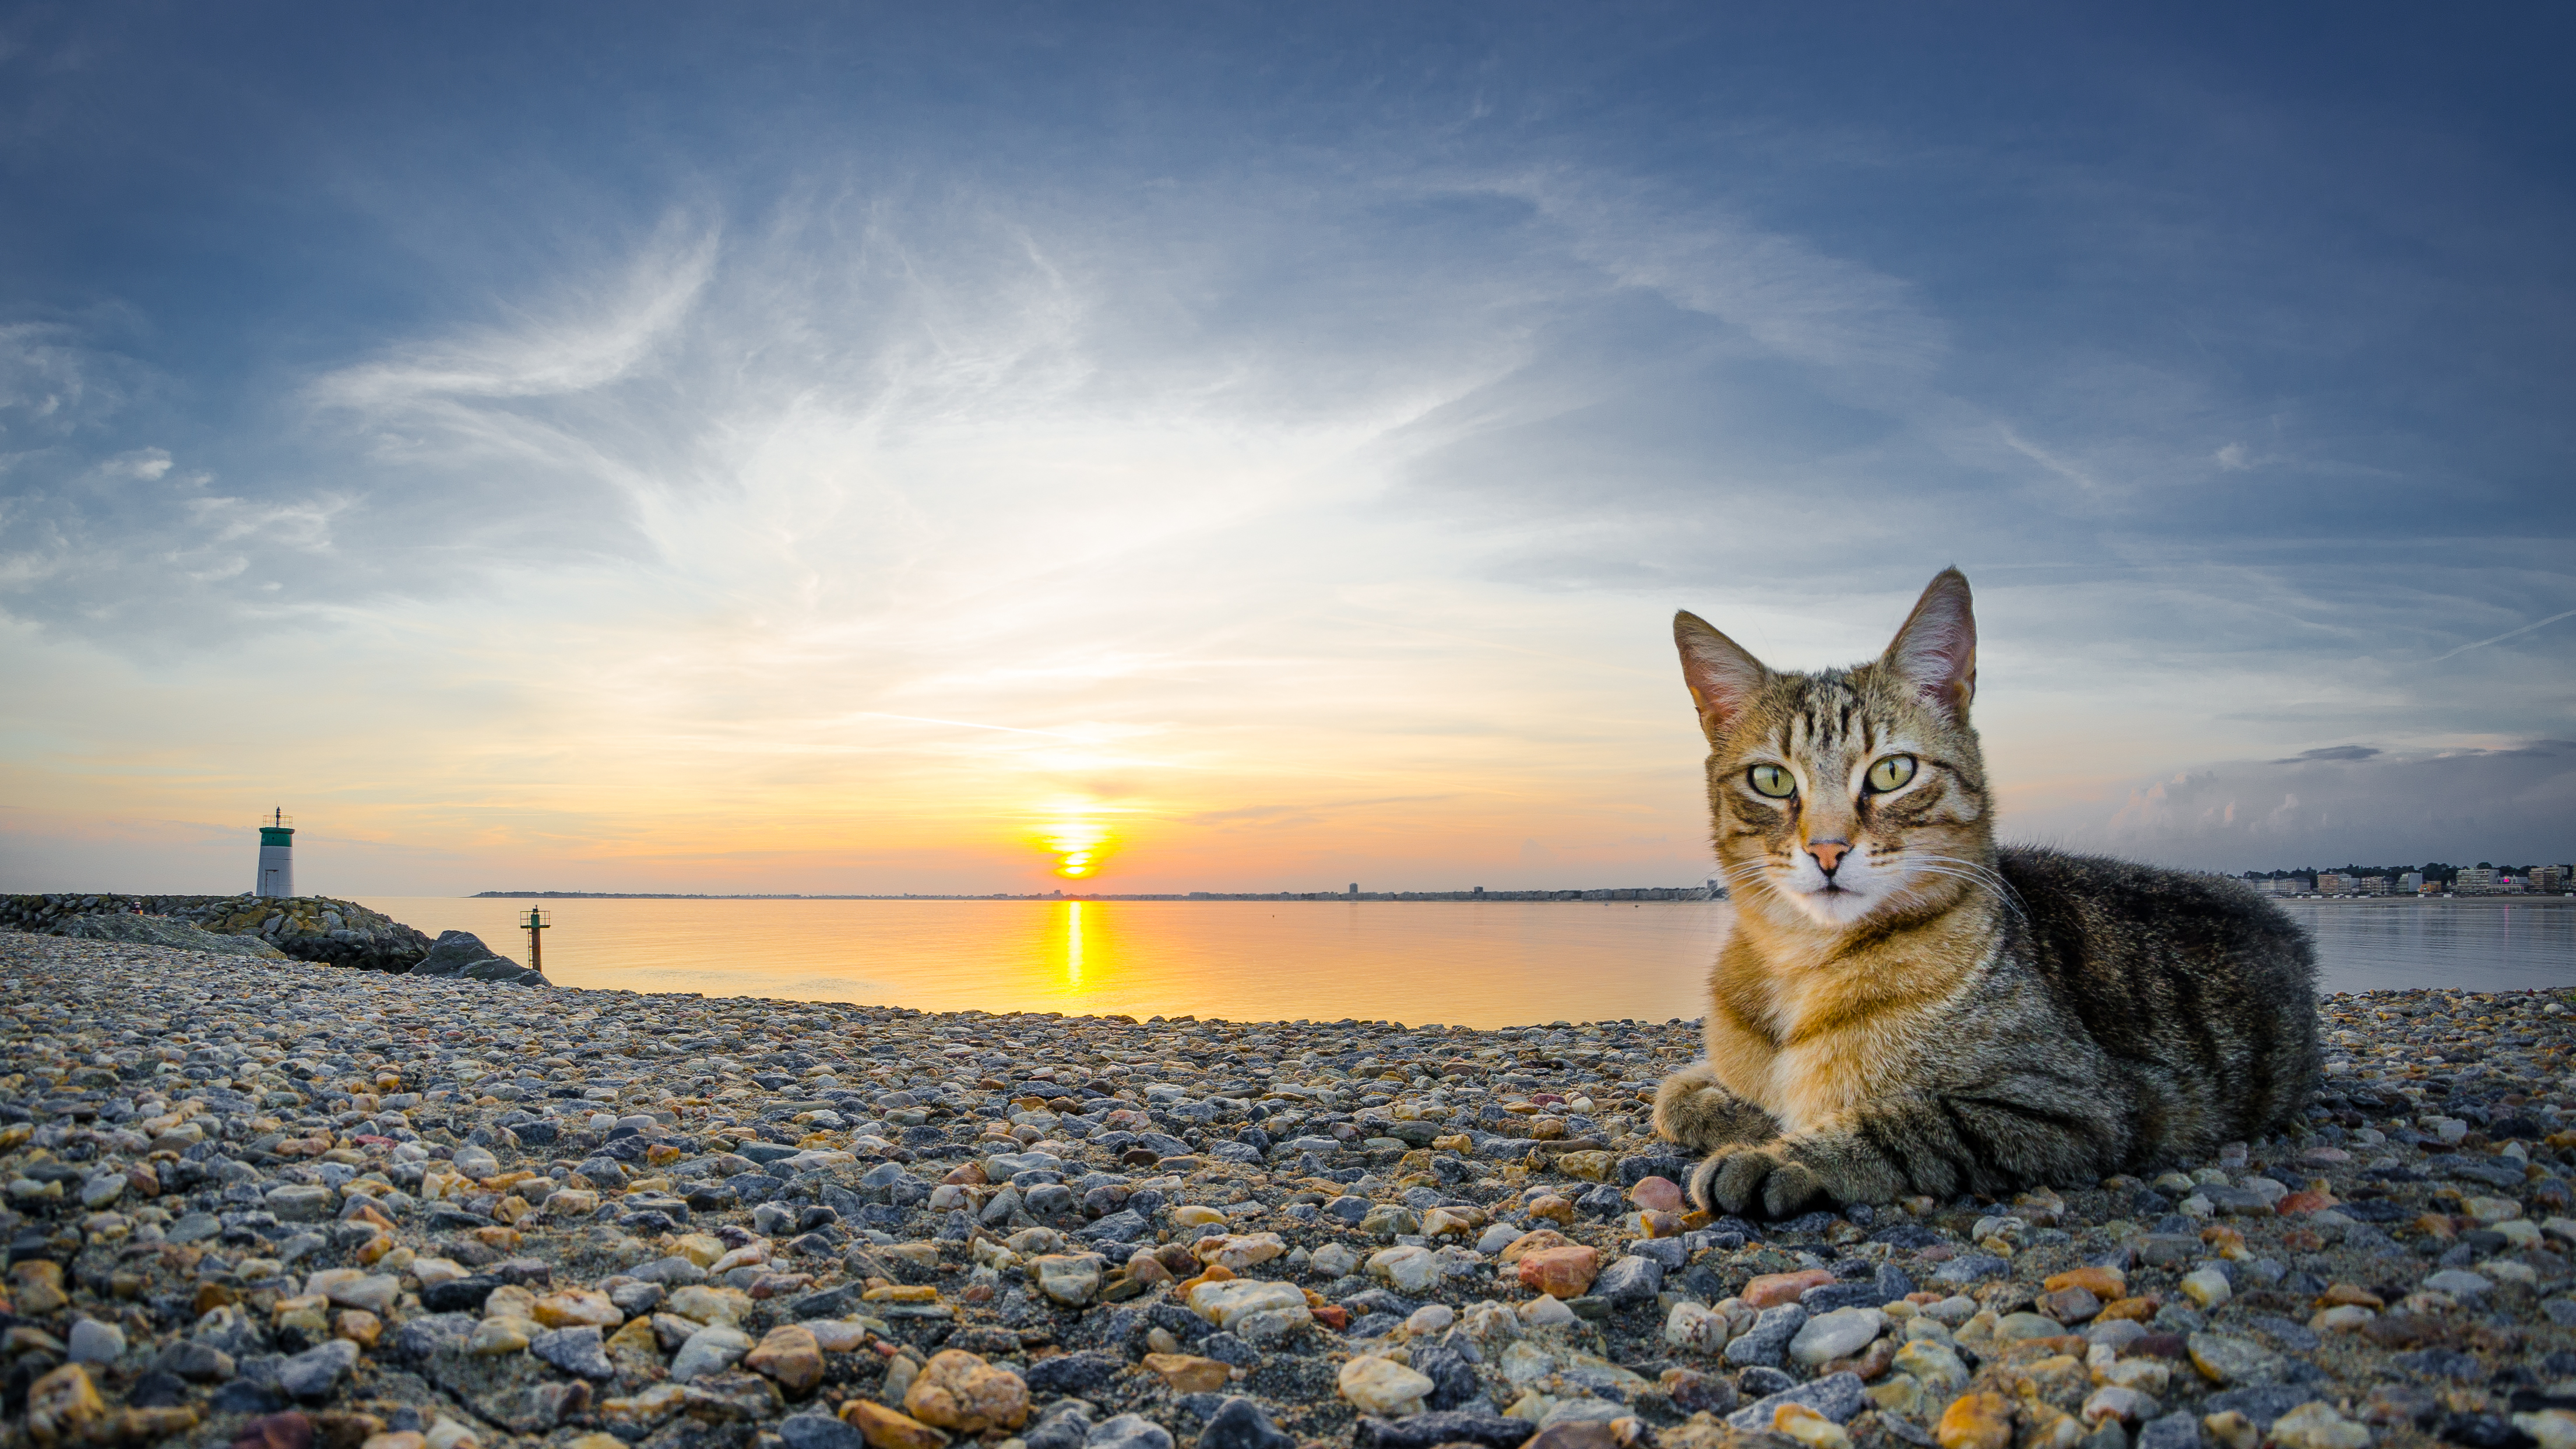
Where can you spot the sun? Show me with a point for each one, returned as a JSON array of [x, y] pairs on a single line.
[[1079, 844]]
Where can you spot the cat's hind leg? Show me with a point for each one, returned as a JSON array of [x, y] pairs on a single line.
[[1692, 1109]]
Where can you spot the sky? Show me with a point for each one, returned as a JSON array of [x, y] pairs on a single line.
[[850, 448]]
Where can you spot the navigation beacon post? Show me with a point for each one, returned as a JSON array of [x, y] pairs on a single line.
[[536, 922]]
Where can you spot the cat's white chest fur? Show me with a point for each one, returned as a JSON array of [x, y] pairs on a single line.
[[1819, 1077], [1811, 1087]]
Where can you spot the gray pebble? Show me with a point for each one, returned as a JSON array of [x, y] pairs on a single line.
[[579, 1350], [1129, 1431], [1630, 1281], [818, 1431], [1239, 1423], [2177, 1430], [1836, 1396], [91, 1341], [1764, 1343], [314, 1373], [1969, 1268]]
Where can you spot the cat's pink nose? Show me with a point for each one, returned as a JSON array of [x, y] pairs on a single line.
[[1829, 853]]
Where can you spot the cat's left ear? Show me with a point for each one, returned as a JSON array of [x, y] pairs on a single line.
[[1936, 651]]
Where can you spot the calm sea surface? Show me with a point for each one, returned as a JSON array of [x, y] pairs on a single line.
[[1493, 964]]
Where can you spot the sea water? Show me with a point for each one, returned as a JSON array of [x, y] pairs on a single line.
[[1482, 964]]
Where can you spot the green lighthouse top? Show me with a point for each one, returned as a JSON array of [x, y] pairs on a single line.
[[277, 831]]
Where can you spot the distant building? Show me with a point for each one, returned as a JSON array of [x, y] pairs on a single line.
[[2411, 883], [2331, 883], [2549, 879], [276, 857], [2375, 885], [2478, 880], [2288, 885]]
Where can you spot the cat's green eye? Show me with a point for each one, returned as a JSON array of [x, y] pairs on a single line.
[[1773, 781], [1891, 772]]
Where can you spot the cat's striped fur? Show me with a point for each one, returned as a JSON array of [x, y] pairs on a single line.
[[1902, 1007]]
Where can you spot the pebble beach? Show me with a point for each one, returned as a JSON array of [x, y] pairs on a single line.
[[277, 1204]]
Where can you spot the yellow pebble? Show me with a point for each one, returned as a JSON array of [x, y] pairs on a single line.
[[901, 1293], [2232, 1429], [2207, 1287], [1976, 1421], [1808, 1427]]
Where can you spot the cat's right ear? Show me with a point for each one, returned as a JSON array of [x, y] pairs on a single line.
[[1721, 676], [1936, 651]]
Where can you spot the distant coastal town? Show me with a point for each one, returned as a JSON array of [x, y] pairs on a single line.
[[2435, 879]]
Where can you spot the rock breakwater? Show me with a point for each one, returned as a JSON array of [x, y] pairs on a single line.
[[164, 931], [266, 1205], [307, 928]]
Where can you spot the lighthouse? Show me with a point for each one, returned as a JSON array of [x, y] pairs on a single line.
[[276, 857]]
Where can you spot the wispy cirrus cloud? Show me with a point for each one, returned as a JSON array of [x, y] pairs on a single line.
[[1783, 292], [603, 331]]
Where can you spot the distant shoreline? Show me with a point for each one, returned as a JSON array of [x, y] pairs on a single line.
[[2430, 900], [1619, 893]]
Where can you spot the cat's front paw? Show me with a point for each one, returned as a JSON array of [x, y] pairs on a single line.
[[1691, 1108], [1756, 1179], [1786, 1175]]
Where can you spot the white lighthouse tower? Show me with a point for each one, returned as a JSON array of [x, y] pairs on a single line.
[[276, 857]]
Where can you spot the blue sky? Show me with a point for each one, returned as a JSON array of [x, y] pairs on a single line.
[[831, 447]]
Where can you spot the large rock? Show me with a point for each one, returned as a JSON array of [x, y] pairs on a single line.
[[463, 954]]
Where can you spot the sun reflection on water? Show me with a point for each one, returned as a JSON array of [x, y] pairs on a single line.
[[1077, 961]]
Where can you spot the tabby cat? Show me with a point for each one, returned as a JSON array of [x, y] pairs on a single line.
[[1902, 1007]]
